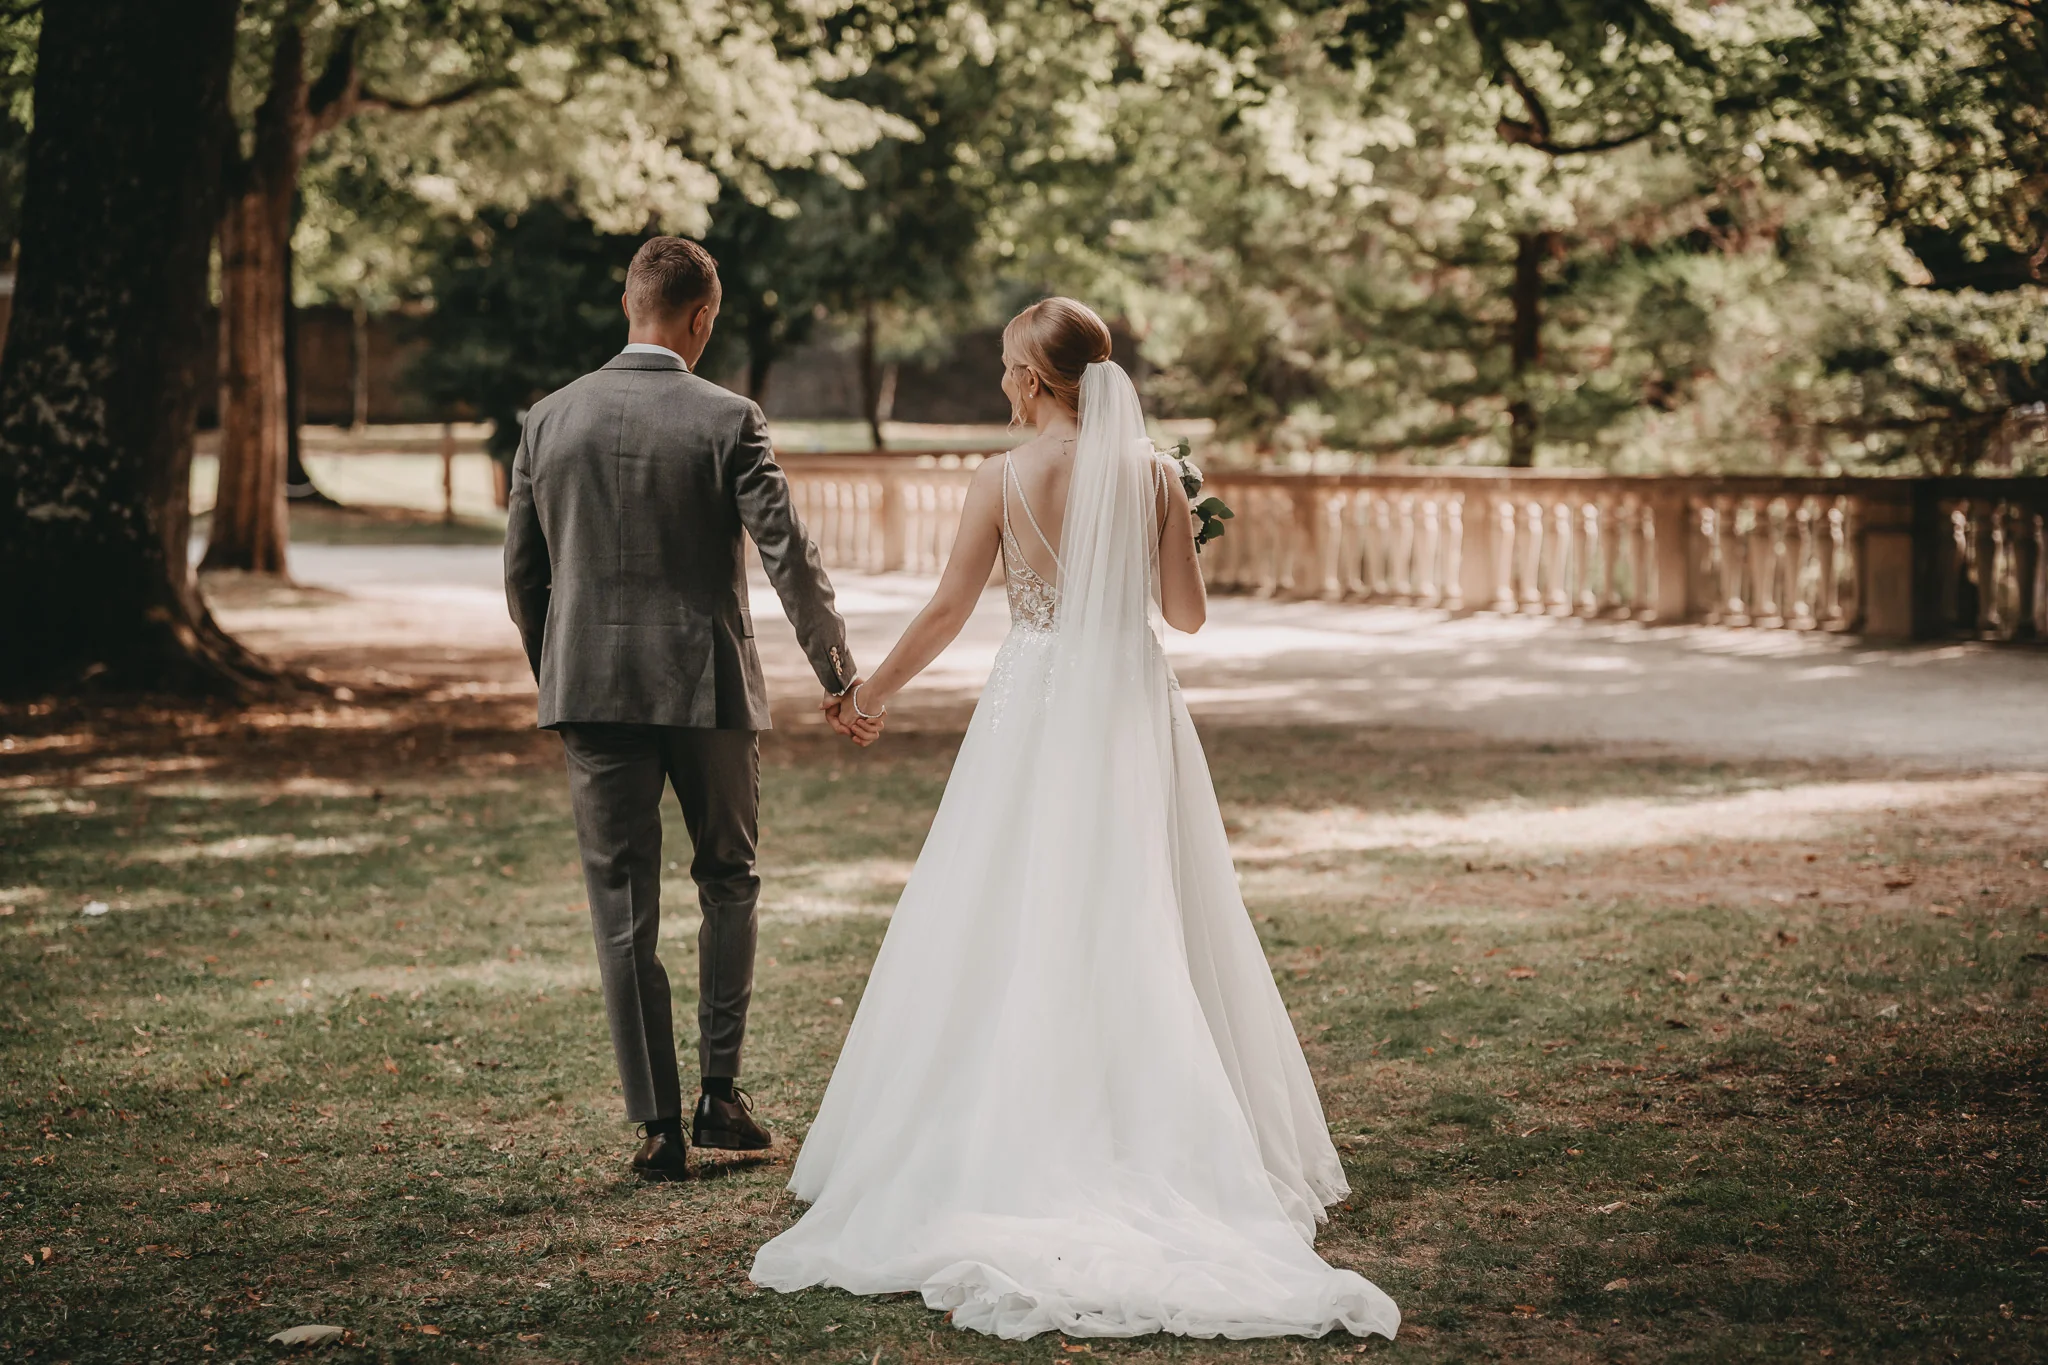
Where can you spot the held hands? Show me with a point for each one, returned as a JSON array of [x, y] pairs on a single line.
[[843, 715]]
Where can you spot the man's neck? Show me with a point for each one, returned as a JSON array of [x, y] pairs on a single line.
[[665, 340]]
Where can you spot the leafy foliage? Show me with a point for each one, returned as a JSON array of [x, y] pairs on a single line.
[[526, 302]]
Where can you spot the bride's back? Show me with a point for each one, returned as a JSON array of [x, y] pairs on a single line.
[[1039, 474]]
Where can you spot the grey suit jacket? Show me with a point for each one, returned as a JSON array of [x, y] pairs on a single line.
[[624, 564]]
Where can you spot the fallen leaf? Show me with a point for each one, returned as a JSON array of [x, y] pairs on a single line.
[[1943, 911], [1676, 1023], [1897, 883], [1615, 1207], [1616, 1286], [1521, 973], [1423, 988], [529, 1336], [1890, 1011], [311, 1334], [1787, 940], [427, 1329]]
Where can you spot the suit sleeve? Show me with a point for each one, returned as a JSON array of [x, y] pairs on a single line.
[[787, 553], [528, 573]]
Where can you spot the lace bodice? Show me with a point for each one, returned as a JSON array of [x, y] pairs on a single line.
[[1032, 599]]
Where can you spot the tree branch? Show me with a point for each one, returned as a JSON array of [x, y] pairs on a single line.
[[368, 100], [1520, 132], [1536, 132], [334, 95]]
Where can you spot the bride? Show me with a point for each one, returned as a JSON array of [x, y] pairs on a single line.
[[1072, 1099]]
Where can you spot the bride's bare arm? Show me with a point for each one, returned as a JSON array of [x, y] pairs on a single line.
[[967, 571], [1183, 597]]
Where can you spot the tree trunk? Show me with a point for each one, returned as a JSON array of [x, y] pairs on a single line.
[[299, 487], [99, 382], [1525, 343], [250, 529], [870, 377], [760, 353]]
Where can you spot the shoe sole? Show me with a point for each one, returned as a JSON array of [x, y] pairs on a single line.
[[653, 1177], [721, 1141]]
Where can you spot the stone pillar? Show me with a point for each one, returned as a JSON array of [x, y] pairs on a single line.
[[1670, 551], [1479, 564], [892, 521], [1885, 577]]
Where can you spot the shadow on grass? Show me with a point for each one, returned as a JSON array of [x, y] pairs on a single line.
[[334, 1051]]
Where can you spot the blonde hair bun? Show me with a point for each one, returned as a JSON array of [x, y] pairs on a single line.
[[1059, 339]]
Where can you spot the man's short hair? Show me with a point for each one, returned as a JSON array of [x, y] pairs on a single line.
[[669, 275]]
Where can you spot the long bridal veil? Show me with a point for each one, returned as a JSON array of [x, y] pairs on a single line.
[[1072, 1098]]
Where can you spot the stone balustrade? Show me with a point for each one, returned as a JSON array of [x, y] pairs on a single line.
[[1891, 558]]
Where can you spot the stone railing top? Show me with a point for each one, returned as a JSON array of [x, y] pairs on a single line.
[[2023, 487]]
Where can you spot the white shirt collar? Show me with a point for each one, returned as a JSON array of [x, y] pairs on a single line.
[[649, 348]]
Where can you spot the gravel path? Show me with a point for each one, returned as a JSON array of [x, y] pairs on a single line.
[[439, 610]]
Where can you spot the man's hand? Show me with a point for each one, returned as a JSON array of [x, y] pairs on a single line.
[[838, 709]]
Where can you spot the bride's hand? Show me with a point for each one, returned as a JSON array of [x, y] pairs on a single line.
[[864, 729]]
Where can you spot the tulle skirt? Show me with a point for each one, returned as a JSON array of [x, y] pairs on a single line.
[[1088, 1112]]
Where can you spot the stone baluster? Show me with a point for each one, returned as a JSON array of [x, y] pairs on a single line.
[[1403, 569], [1642, 559], [1274, 541], [1429, 589], [1506, 553], [892, 521], [1594, 574], [1559, 565], [1990, 562], [1833, 541], [1799, 573], [1382, 545], [1767, 561], [1952, 560], [1453, 572], [1350, 544], [1728, 561], [1529, 562]]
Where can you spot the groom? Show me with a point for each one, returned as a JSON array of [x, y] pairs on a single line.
[[625, 574]]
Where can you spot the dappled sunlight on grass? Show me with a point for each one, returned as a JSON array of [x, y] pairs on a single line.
[[1796, 811]]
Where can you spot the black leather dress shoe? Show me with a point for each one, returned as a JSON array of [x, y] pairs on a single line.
[[663, 1156], [728, 1125]]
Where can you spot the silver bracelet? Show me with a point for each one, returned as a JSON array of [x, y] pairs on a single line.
[[854, 696]]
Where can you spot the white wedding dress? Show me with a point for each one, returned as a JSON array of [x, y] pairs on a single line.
[[1071, 1098]]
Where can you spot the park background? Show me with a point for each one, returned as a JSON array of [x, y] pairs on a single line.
[[1623, 684]]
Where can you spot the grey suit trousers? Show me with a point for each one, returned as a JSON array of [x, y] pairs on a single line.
[[616, 776]]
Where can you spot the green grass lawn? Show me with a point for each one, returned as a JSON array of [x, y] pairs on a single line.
[[1607, 1089]]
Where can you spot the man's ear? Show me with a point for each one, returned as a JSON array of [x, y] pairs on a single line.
[[626, 307]]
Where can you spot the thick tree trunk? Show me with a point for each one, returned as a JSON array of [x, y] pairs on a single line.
[[99, 383], [250, 530], [1525, 343]]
